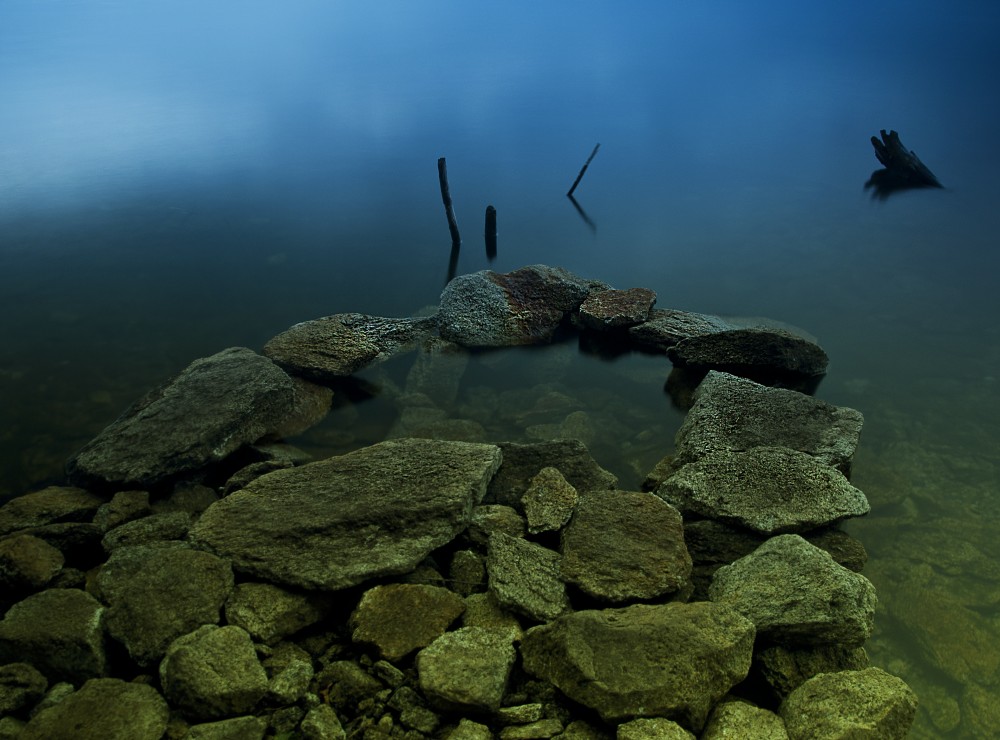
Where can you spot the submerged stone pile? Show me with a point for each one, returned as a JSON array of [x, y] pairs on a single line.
[[198, 579]]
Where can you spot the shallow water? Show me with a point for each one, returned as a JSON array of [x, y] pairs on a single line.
[[180, 180]]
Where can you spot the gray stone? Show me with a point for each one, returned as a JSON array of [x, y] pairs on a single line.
[[340, 345], [652, 728], [413, 711], [467, 573], [348, 685], [526, 306], [483, 610], [170, 525], [674, 660], [735, 414], [796, 595], [751, 352], [489, 519], [607, 310], [437, 371], [310, 405], [124, 507], [212, 408], [770, 490], [856, 704], [103, 709], [549, 501], [398, 618], [52, 505], [469, 730], [59, 632], [21, 685], [236, 728], [624, 546], [666, 327], [467, 669], [27, 564], [271, 613], [736, 719], [785, 670], [213, 673], [335, 523], [539, 730], [291, 683], [322, 723], [158, 593], [525, 578], [522, 462]]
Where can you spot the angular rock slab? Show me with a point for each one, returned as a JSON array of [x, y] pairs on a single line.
[[335, 523], [212, 408], [607, 310], [771, 490], [398, 618], [467, 669], [526, 306], [675, 660], [524, 577], [796, 595], [52, 505], [735, 414], [868, 703], [666, 327], [340, 345], [751, 352]]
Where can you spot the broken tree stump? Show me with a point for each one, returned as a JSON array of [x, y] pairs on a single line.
[[903, 169]]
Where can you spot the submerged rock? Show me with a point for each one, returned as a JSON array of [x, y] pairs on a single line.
[[607, 310], [52, 505], [751, 352], [525, 578], [335, 523], [467, 669], [398, 618]]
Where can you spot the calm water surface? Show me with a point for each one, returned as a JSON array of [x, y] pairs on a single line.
[[175, 180]]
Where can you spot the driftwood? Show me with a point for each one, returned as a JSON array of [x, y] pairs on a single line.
[[583, 170], [903, 169], [491, 233], [456, 239]]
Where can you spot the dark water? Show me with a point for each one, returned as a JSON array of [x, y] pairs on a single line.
[[179, 178]]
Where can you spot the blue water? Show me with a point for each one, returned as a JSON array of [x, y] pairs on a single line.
[[176, 178]]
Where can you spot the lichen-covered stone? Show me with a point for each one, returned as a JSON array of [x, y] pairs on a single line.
[[467, 669]]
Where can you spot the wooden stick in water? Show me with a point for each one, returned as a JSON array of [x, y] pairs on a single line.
[[456, 239], [491, 233], [582, 170]]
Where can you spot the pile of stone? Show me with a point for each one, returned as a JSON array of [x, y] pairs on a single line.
[[199, 579]]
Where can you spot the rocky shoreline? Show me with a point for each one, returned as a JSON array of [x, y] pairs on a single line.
[[199, 578]]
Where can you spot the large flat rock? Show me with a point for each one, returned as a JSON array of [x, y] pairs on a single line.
[[335, 523]]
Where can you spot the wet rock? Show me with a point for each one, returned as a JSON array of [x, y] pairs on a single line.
[[607, 310], [271, 613], [347, 685], [413, 711], [467, 573], [483, 610], [212, 408], [467, 669], [52, 505], [735, 719], [237, 728], [652, 728], [623, 546], [734, 414], [540, 730], [759, 353], [125, 506], [868, 703], [437, 371], [291, 683], [469, 730], [526, 306], [156, 593], [770, 490], [666, 327], [489, 519], [398, 618], [549, 501], [338, 522], [522, 462], [785, 670], [340, 345], [103, 709], [674, 660], [322, 723], [525, 578], [796, 595], [59, 632], [27, 564], [170, 525], [213, 673], [21, 686]]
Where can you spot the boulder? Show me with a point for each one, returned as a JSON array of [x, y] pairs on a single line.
[[338, 522], [27, 564], [213, 673], [674, 660], [236, 728], [21, 686], [525, 578], [736, 719], [103, 709], [608, 310], [164, 526], [666, 327], [857, 704], [549, 501], [770, 490], [340, 345], [651, 728], [467, 669], [212, 408], [270, 613], [526, 306], [624, 546], [784, 670], [52, 505], [796, 595], [736, 414], [156, 593], [398, 618], [58, 631], [762, 353]]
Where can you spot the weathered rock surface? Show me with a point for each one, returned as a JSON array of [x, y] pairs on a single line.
[[27, 564], [740, 719], [271, 613], [399, 618], [735, 414], [340, 345], [607, 310], [21, 685], [212, 408], [649, 728], [213, 673], [525, 578], [751, 352], [785, 670], [168, 525], [522, 462], [103, 709], [52, 505], [158, 593], [466, 669], [526, 306], [869, 703], [236, 728], [623, 546], [338, 522], [767, 489], [796, 595], [549, 501], [58, 631], [675, 660]]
